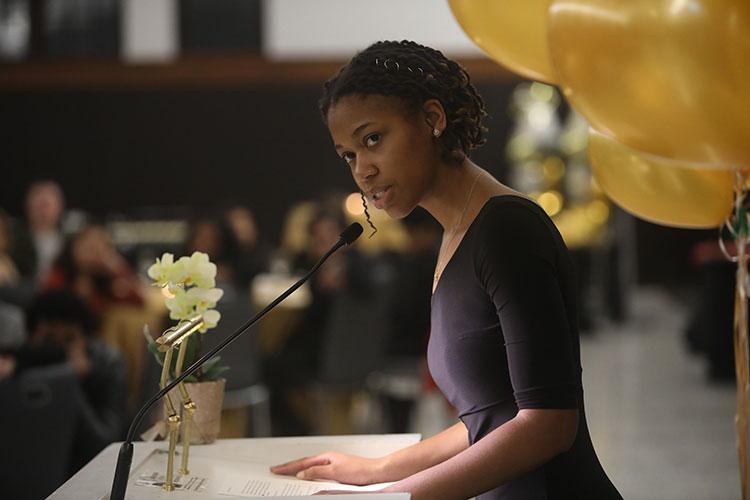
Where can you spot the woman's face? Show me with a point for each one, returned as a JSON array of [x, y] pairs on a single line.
[[392, 154]]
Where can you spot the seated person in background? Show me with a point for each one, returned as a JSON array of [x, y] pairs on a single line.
[[61, 330], [253, 254], [41, 240], [332, 279], [409, 312], [12, 336], [215, 238], [411, 290], [15, 288], [91, 266], [298, 362], [9, 275]]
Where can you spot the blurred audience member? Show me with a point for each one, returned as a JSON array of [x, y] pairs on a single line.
[[214, 237], [12, 327], [409, 317], [295, 232], [61, 330], [94, 269], [9, 275], [40, 242], [323, 231], [297, 363], [12, 336], [412, 287], [253, 253], [712, 317], [16, 286]]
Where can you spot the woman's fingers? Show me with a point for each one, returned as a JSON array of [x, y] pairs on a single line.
[[334, 466], [295, 466], [316, 472]]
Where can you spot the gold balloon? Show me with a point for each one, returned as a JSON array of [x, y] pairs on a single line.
[[668, 77], [512, 32], [661, 190]]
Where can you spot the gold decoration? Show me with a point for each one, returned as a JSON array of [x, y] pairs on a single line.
[[177, 338], [666, 78], [739, 227], [660, 190], [512, 32]]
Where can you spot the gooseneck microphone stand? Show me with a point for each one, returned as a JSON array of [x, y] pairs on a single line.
[[125, 457]]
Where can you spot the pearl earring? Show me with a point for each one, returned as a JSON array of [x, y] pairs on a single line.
[[436, 132]]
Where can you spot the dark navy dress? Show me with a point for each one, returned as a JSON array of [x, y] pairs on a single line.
[[504, 337]]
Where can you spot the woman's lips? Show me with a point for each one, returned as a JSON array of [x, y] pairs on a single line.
[[381, 196]]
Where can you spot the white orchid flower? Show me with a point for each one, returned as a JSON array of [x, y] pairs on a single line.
[[168, 273], [198, 271], [161, 271], [191, 282], [203, 299], [185, 304], [181, 306], [211, 318]]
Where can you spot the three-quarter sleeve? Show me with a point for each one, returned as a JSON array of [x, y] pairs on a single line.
[[517, 264]]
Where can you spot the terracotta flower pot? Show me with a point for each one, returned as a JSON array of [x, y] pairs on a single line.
[[208, 398]]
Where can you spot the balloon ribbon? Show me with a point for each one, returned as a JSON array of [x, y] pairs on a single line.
[[738, 226]]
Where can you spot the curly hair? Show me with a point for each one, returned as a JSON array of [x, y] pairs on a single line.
[[415, 74]]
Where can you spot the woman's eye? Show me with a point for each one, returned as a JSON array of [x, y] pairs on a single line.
[[372, 139], [347, 157]]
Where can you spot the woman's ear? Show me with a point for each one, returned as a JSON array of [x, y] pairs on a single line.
[[434, 116]]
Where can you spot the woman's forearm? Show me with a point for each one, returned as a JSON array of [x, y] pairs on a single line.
[[425, 454], [520, 445], [351, 469]]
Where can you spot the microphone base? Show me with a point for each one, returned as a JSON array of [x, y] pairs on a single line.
[[122, 471]]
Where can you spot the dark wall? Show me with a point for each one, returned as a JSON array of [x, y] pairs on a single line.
[[176, 152], [123, 151]]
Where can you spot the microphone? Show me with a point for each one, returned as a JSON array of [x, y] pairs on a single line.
[[351, 233], [125, 456]]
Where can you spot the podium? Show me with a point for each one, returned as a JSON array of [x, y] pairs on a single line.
[[238, 466]]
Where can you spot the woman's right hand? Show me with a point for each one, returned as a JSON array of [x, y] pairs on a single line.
[[334, 466]]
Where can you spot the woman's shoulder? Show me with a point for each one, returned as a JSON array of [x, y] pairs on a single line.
[[509, 224], [512, 212]]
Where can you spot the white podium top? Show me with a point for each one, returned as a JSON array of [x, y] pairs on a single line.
[[222, 465]]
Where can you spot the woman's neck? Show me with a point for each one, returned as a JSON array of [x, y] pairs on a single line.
[[461, 189], [447, 199]]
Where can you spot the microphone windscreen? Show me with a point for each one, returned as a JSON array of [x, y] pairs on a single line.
[[351, 233]]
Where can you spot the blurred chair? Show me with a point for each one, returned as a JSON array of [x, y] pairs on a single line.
[[246, 399], [37, 423], [398, 385], [353, 346]]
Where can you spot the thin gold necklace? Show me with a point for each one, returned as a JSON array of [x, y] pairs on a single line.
[[454, 231]]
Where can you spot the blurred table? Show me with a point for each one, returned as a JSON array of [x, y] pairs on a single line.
[[279, 323]]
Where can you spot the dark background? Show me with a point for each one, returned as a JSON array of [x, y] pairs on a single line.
[[136, 146], [126, 151]]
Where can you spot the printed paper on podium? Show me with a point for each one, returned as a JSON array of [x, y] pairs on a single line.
[[254, 482], [241, 469]]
